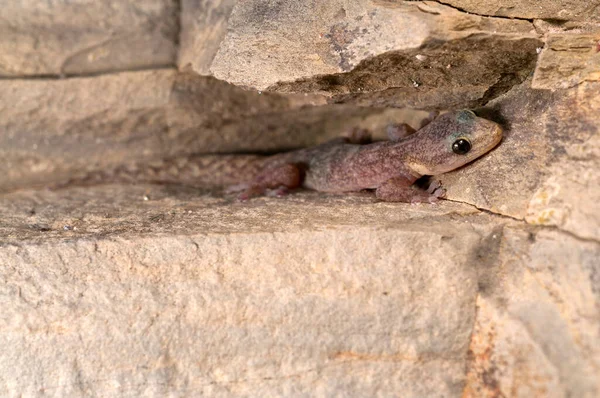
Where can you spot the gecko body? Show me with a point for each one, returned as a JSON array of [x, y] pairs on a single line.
[[390, 167]]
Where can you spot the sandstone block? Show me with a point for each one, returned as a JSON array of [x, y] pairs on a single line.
[[181, 294], [47, 37]]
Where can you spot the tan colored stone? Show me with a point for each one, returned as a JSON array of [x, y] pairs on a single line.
[[568, 59], [141, 290], [554, 26], [537, 322], [203, 27], [371, 53], [48, 37], [568, 197], [51, 127], [181, 294]]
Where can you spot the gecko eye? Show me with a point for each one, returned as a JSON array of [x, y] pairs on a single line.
[[461, 146]]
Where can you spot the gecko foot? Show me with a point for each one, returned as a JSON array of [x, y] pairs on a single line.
[[399, 189], [250, 192], [436, 191]]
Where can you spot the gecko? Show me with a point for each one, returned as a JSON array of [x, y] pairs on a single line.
[[390, 168], [345, 164]]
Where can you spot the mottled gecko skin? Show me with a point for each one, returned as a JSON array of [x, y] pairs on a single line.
[[391, 167]]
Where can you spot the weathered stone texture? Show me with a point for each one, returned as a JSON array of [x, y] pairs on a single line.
[[567, 60], [204, 24], [233, 303], [537, 319], [52, 127], [438, 75], [45, 37]]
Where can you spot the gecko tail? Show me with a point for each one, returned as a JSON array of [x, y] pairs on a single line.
[[200, 171]]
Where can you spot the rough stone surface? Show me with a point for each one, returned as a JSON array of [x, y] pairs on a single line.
[[536, 329], [567, 60], [52, 127], [355, 51], [48, 37], [53, 130], [204, 24], [196, 297], [153, 290], [546, 168]]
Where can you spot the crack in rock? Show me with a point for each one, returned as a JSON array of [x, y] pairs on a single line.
[[525, 222]]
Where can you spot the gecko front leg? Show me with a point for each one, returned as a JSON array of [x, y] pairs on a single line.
[[401, 189]]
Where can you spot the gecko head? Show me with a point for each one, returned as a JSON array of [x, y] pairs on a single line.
[[451, 141]]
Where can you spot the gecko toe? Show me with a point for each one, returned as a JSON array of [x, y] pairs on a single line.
[[433, 186]]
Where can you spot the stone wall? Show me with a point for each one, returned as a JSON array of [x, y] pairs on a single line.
[[121, 289]]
